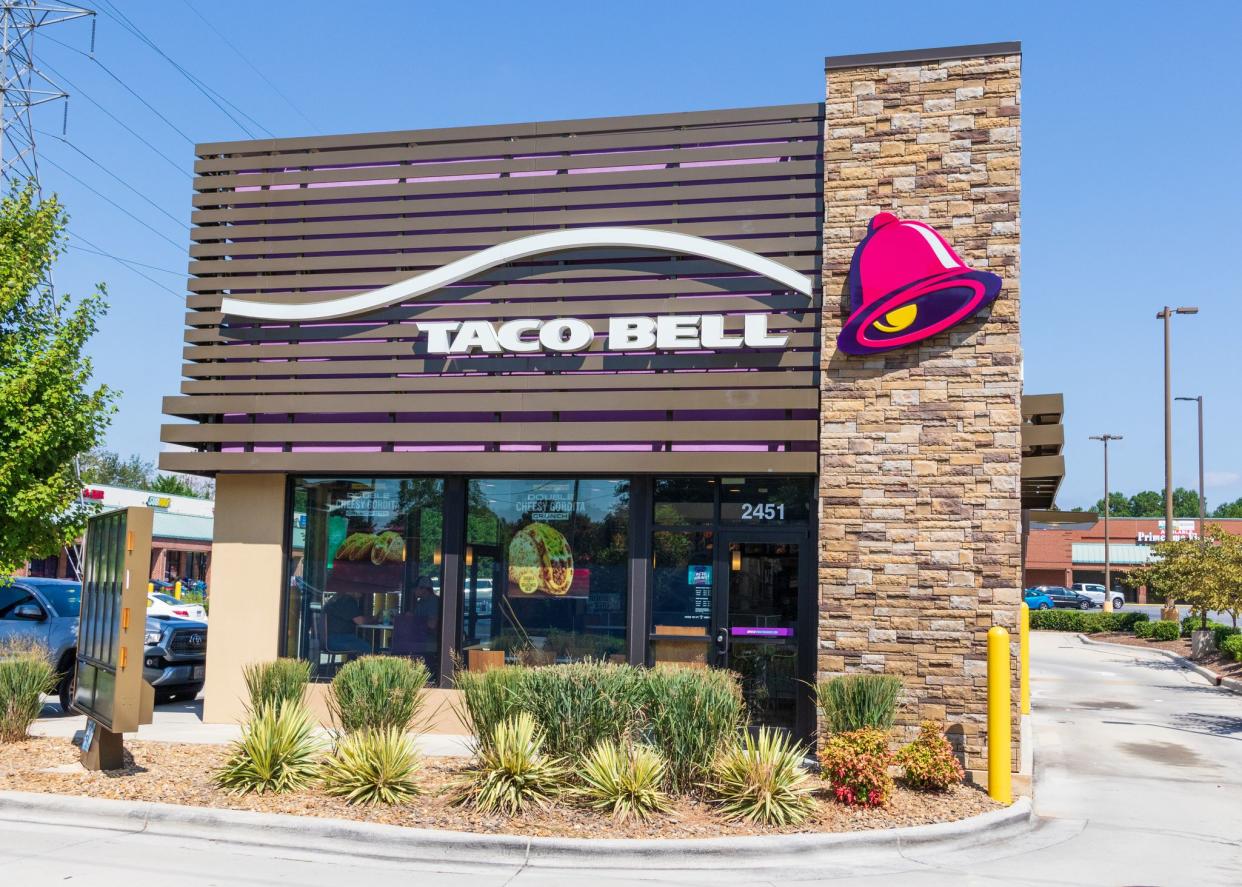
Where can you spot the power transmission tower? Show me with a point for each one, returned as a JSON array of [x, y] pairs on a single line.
[[23, 86]]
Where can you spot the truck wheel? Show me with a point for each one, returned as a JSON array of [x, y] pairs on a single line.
[[64, 689]]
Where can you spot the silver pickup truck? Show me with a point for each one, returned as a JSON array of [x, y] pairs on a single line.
[[45, 612]]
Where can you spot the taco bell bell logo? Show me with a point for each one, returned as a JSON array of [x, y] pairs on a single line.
[[907, 284]]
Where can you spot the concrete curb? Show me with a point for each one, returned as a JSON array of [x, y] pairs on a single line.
[[1230, 685], [397, 843]]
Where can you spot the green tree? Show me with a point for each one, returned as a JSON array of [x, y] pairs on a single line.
[[1205, 573], [1185, 503], [181, 485], [1229, 509], [1148, 503], [1118, 504], [107, 467], [48, 411]]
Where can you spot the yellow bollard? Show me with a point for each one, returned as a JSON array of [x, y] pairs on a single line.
[[999, 731], [177, 589], [1024, 658]]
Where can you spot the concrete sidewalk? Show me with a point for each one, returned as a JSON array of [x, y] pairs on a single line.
[[183, 722]]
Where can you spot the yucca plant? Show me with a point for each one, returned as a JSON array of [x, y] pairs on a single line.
[[26, 674], [760, 779], [275, 683], [487, 699], [858, 701], [624, 780], [511, 773], [373, 766], [377, 692], [276, 753], [690, 716]]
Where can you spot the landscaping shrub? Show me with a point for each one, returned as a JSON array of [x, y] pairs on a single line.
[[276, 752], [929, 762], [687, 715], [624, 780], [373, 766], [579, 705], [1144, 629], [377, 692], [1165, 631], [690, 716], [1232, 646], [856, 767], [1088, 623], [275, 683], [26, 674], [511, 772], [760, 779], [1220, 633], [857, 701]]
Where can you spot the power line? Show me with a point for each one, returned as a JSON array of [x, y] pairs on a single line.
[[77, 91], [212, 96], [127, 263], [86, 249], [150, 107], [102, 196], [159, 208], [276, 89]]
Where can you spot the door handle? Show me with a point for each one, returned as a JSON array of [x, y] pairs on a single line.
[[722, 643]]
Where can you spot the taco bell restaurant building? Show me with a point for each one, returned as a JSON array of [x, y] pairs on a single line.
[[730, 388]]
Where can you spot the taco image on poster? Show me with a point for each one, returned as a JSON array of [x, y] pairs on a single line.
[[356, 547], [389, 548], [540, 560]]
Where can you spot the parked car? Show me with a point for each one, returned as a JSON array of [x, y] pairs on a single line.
[[1037, 600], [1097, 595], [160, 604], [1064, 598], [45, 611]]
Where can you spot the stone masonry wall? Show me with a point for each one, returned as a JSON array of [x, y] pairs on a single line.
[[920, 547]]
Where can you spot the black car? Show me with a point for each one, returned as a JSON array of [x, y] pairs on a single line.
[[1066, 598], [175, 661]]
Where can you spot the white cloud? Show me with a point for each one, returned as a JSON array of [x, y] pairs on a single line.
[[1221, 478]]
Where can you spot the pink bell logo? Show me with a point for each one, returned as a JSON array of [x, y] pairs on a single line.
[[907, 284]]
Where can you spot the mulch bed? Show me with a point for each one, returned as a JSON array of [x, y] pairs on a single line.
[[1220, 663], [181, 774]]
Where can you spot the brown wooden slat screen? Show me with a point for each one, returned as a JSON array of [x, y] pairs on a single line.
[[308, 219]]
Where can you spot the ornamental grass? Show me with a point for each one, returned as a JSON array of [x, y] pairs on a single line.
[[624, 780], [511, 773], [858, 701], [760, 779], [278, 752], [373, 767], [378, 692], [277, 682], [26, 673]]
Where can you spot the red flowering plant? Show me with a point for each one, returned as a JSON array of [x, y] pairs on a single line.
[[856, 763], [929, 762]]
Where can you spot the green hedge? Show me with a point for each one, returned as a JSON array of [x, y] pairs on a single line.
[[1165, 631], [1233, 646], [1090, 623]]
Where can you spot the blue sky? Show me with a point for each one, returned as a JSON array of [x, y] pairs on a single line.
[[1130, 155]]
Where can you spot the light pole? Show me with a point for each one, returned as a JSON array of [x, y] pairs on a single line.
[[1202, 503], [1170, 606], [1108, 565]]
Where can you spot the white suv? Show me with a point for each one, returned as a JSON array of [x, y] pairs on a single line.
[[1096, 593]]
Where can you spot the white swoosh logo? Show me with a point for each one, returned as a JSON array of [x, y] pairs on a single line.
[[523, 247]]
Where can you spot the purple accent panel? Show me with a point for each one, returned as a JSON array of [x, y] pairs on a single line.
[[304, 418], [728, 448], [532, 173], [607, 448], [726, 415], [613, 416], [749, 161], [520, 448], [335, 448], [357, 184], [760, 631], [438, 448], [236, 418], [462, 178], [445, 417], [232, 448], [586, 170], [268, 448]]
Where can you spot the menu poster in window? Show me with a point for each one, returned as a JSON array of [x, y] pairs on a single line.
[[540, 555], [371, 555]]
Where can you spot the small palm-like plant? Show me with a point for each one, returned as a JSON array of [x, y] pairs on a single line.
[[511, 773], [760, 779], [624, 780], [373, 766], [276, 753]]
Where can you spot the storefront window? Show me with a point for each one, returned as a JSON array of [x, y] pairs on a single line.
[[683, 501], [545, 569], [364, 570], [681, 596]]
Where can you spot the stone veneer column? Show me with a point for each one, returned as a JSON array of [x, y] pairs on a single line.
[[920, 540]]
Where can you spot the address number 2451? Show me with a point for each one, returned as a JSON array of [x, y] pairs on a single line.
[[762, 511]]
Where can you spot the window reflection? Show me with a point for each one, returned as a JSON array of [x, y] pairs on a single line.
[[365, 570], [545, 569]]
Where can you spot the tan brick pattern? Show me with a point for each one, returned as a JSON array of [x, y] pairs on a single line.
[[920, 550]]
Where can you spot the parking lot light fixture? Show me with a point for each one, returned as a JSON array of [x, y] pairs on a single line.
[[1108, 579]]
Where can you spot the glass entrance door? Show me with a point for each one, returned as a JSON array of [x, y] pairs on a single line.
[[756, 624]]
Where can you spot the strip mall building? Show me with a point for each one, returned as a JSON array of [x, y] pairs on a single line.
[[732, 388]]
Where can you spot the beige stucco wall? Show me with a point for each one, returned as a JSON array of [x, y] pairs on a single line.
[[247, 567], [920, 550]]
